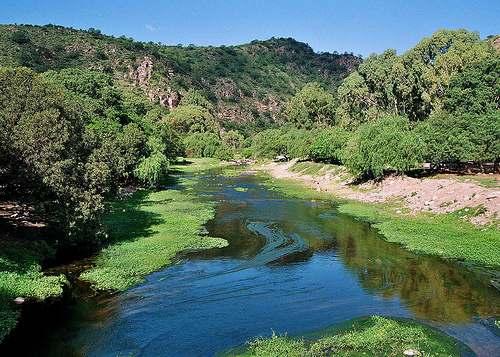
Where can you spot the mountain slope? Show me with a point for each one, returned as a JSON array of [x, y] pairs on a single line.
[[248, 83]]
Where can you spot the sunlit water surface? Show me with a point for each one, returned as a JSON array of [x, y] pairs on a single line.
[[292, 266]]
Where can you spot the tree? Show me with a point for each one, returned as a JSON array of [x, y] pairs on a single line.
[[386, 144], [232, 139], [456, 138], [411, 85], [329, 144], [312, 105], [201, 144], [191, 119], [476, 89], [152, 168], [43, 151]]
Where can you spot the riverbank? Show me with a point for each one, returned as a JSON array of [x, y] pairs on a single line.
[[374, 336], [22, 280], [150, 229], [453, 231], [146, 231]]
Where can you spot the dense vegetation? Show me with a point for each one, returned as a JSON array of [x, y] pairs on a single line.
[[375, 336], [248, 84], [437, 103], [84, 115]]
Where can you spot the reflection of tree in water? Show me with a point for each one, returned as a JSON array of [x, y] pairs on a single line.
[[432, 289]]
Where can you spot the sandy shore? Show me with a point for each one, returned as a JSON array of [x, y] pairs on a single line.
[[437, 195]]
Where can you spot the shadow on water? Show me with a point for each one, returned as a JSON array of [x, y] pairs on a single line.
[[44, 323], [292, 265]]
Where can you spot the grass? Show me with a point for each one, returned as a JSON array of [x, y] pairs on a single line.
[[307, 168], [148, 230], [21, 276], [488, 181], [445, 235], [318, 169], [374, 336]]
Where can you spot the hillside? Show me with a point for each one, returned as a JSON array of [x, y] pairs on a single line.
[[247, 83]]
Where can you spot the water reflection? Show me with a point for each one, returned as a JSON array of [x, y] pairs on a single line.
[[432, 288], [293, 266]]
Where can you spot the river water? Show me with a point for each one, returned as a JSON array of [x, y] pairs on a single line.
[[292, 265]]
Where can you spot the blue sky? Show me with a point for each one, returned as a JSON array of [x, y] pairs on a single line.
[[358, 26]]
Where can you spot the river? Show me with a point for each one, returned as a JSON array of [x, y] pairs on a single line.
[[292, 265]]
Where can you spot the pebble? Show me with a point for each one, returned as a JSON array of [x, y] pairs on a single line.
[[19, 300]]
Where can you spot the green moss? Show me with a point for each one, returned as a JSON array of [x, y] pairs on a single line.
[[374, 336], [445, 235], [148, 231], [308, 168], [21, 276], [194, 165]]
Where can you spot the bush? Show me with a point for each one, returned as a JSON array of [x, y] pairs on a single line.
[[455, 138], [328, 145], [152, 168], [288, 141], [267, 144], [224, 152], [382, 145], [201, 144], [312, 105]]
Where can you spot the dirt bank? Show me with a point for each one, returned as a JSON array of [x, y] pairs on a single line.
[[442, 194]]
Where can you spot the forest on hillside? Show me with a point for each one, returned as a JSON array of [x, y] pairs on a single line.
[[73, 136], [86, 118]]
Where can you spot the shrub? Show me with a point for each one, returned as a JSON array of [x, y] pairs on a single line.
[[328, 145], [224, 152], [455, 138], [288, 141], [201, 144], [385, 144], [311, 105]]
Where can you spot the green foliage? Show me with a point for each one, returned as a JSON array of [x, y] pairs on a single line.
[[374, 336], [288, 141], [196, 98], [21, 276], [95, 138], [153, 168], [415, 83], [148, 231], [191, 119], [232, 139], [201, 144], [261, 72], [312, 105], [447, 236], [329, 144], [51, 169], [476, 89], [386, 144], [454, 138], [224, 152]]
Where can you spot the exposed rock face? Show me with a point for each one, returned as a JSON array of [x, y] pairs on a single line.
[[233, 113], [141, 77], [225, 88], [142, 74], [496, 43]]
